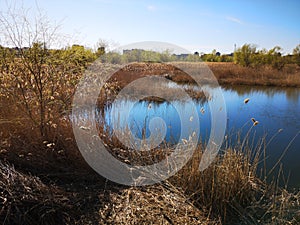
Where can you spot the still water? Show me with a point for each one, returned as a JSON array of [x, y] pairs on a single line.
[[276, 109]]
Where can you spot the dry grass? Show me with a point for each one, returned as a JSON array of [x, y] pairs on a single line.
[[158, 204], [228, 192], [135, 71], [225, 72], [233, 74], [230, 73], [26, 200], [230, 188]]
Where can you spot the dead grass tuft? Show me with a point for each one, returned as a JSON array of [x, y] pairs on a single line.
[[158, 204], [26, 200]]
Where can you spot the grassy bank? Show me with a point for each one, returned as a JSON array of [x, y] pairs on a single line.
[[50, 182], [230, 73], [225, 72], [44, 179], [228, 192]]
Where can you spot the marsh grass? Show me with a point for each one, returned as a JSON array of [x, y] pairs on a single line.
[[228, 73], [232, 74], [145, 206], [230, 191], [26, 199], [236, 188]]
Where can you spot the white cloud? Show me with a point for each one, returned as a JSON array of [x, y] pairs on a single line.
[[151, 8], [234, 19]]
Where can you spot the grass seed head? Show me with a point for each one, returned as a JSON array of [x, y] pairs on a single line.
[[246, 100]]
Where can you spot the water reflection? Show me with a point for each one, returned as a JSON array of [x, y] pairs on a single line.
[[291, 94], [276, 109]]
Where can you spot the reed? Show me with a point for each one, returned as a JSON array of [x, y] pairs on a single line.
[[229, 191]]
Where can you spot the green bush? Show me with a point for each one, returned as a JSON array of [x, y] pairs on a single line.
[[245, 55], [296, 55], [248, 55]]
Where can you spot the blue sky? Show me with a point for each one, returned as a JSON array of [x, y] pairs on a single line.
[[195, 25]]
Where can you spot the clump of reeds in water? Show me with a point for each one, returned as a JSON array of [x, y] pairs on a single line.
[[231, 189]]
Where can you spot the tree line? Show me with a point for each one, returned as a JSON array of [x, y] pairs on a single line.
[[34, 77], [248, 55]]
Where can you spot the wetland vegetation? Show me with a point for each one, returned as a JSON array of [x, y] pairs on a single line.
[[45, 180]]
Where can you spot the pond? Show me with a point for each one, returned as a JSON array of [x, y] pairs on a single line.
[[276, 109]]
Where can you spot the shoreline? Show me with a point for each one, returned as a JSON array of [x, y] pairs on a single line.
[[49, 182], [226, 73], [232, 74]]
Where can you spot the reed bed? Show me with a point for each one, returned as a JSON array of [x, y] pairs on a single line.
[[50, 183]]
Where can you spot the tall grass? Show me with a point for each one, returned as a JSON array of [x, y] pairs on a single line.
[[233, 188], [229, 191], [233, 74], [230, 73]]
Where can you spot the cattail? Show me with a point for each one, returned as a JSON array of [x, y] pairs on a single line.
[[84, 128], [246, 100], [202, 110], [255, 122], [184, 141], [50, 145]]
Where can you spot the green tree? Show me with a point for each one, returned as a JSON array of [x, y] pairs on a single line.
[[244, 55], [193, 58], [134, 55], [100, 51], [214, 56], [166, 56], [112, 57], [101, 47], [79, 55], [152, 56], [296, 54], [274, 58], [226, 58]]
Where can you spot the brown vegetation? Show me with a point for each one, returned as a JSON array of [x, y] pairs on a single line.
[[230, 73], [135, 71], [50, 183], [53, 183], [225, 73]]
